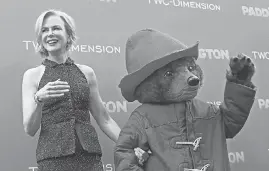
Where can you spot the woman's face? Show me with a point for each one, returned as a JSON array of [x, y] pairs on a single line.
[[54, 36]]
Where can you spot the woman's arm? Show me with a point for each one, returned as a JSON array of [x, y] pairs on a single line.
[[97, 109], [31, 109]]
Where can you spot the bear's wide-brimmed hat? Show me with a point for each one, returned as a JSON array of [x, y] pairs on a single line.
[[147, 51]]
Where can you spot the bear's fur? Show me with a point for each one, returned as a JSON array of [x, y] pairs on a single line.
[[169, 83], [241, 71], [171, 123]]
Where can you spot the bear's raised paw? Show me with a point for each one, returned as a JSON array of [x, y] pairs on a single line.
[[241, 70]]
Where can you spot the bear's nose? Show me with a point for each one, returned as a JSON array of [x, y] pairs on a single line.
[[193, 81]]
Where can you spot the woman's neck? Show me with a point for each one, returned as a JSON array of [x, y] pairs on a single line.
[[58, 58]]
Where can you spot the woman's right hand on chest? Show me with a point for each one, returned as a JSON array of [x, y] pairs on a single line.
[[52, 90]]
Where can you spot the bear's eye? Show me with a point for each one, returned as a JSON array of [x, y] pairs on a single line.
[[191, 68], [168, 74]]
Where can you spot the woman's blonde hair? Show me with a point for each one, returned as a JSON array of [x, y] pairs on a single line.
[[69, 27]]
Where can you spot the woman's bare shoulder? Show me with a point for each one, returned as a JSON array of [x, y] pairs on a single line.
[[34, 71], [85, 68], [34, 74], [87, 71]]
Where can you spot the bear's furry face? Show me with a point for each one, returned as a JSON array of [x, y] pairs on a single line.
[[175, 82]]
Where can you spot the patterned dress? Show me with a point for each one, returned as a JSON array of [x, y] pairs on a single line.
[[67, 140]]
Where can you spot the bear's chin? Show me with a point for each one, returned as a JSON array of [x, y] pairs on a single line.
[[168, 99], [185, 96]]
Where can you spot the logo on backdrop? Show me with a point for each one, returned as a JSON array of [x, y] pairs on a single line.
[[104, 49], [225, 54], [260, 55], [116, 106], [108, 1], [186, 4], [263, 103], [236, 157], [106, 167], [113, 49], [122, 106], [215, 102], [255, 11], [213, 54]]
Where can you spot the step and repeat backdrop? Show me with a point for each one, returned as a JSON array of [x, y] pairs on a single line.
[[223, 27]]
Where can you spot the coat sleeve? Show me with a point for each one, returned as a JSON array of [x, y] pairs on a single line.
[[132, 135], [235, 109]]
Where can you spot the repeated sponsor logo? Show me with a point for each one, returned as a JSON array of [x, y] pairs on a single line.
[[186, 4], [106, 167], [113, 1], [108, 49], [116, 106], [94, 48], [260, 55], [214, 102], [236, 157], [122, 106], [255, 11], [263, 103], [33, 168], [214, 54], [224, 54], [204, 53]]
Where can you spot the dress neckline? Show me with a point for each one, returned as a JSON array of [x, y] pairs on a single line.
[[50, 63]]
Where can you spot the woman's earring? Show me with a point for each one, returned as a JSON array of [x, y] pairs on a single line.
[[68, 43]]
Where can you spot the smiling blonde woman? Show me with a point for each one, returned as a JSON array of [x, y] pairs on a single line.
[[59, 97]]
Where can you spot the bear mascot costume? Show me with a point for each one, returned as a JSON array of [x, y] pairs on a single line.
[[182, 133]]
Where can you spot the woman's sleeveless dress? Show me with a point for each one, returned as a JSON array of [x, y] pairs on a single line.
[[56, 112]]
